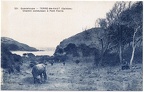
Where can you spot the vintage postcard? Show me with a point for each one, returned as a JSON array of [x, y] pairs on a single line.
[[71, 45]]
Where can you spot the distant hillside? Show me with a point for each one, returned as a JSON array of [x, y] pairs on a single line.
[[82, 44], [13, 45], [88, 37]]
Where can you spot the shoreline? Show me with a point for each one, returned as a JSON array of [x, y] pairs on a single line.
[[36, 53]]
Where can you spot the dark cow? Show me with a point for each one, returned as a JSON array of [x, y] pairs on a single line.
[[63, 63], [125, 65], [39, 70]]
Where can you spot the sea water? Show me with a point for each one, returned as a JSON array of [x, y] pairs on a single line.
[[45, 52]]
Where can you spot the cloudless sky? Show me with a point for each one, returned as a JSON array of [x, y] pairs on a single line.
[[48, 29]]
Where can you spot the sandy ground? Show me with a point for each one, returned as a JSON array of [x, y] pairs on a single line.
[[73, 77]]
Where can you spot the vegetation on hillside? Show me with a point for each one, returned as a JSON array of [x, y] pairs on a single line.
[[117, 39], [9, 61]]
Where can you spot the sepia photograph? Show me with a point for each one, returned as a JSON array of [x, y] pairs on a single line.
[[71, 45]]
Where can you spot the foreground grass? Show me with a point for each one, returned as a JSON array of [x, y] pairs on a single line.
[[73, 77]]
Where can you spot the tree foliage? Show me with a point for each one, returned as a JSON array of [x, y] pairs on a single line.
[[123, 25]]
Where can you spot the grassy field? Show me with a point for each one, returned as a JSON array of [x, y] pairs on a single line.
[[77, 77]]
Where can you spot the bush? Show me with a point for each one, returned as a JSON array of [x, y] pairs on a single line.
[[32, 63], [17, 67], [77, 61], [87, 51], [71, 49]]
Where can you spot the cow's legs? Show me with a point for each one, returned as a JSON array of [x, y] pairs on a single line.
[[41, 79], [34, 80], [45, 75]]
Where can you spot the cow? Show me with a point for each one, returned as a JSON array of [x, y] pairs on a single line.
[[64, 63], [125, 65], [39, 70]]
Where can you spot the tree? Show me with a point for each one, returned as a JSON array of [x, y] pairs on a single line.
[[136, 23], [115, 26], [104, 45], [112, 33], [122, 26], [134, 44], [101, 23], [132, 19]]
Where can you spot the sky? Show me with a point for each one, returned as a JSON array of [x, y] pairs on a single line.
[[48, 29]]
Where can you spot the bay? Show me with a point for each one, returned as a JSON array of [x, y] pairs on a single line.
[[45, 52]]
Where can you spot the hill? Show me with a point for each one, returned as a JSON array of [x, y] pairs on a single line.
[[82, 45], [87, 37], [15, 45], [75, 44], [86, 46]]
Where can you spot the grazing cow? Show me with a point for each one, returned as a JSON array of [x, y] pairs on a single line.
[[125, 66], [63, 63], [51, 63], [39, 70]]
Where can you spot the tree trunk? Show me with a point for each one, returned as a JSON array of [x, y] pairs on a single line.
[[132, 56], [101, 60], [133, 46], [120, 44], [120, 53]]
